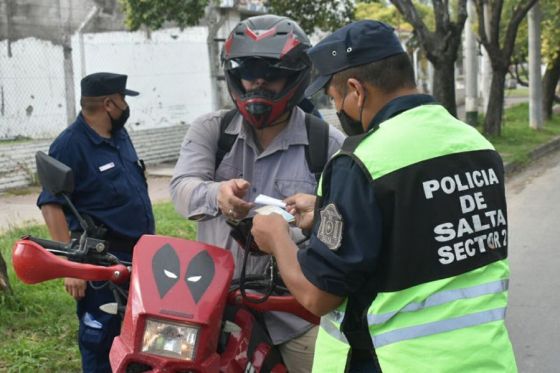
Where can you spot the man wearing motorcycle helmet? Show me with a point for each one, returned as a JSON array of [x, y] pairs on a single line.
[[267, 72]]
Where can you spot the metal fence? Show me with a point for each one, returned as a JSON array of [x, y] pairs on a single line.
[[32, 89]]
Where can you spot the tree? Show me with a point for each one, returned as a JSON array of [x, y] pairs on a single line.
[[550, 50], [318, 14], [500, 46], [388, 13], [551, 54], [153, 14], [440, 45], [550, 81], [382, 12]]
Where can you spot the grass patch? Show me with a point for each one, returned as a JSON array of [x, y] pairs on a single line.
[[170, 223], [518, 139], [517, 92], [38, 324]]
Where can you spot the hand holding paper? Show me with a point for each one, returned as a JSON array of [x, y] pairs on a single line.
[[266, 200], [267, 210], [273, 205]]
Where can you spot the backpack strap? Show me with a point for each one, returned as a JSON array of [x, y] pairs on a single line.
[[226, 140], [316, 153]]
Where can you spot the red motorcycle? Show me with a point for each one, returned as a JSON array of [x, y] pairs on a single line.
[[181, 311]]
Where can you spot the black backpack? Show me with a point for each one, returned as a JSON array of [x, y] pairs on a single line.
[[316, 153]]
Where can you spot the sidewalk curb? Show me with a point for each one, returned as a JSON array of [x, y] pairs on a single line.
[[511, 168]]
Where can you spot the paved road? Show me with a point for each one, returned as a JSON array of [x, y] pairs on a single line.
[[534, 237]]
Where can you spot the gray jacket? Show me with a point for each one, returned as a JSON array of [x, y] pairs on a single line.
[[279, 171]]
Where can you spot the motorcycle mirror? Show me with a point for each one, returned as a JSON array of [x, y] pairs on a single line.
[[55, 176], [58, 179]]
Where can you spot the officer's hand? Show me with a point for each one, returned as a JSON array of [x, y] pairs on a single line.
[[301, 206], [267, 229], [75, 287], [230, 198]]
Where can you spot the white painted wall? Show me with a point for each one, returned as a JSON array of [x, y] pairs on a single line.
[[32, 99], [170, 70]]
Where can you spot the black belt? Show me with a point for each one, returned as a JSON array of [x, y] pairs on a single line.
[[121, 244]]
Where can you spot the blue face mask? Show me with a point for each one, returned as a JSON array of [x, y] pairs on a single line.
[[350, 126]]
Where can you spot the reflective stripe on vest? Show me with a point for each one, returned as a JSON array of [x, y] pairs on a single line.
[[443, 297], [439, 327], [332, 327], [330, 322]]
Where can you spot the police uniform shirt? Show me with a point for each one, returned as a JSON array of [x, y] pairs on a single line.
[[109, 181], [346, 270]]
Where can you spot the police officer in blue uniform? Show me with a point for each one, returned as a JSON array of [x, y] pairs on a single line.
[[111, 190], [372, 225]]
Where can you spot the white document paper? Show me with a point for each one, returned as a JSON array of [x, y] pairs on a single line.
[[267, 210], [266, 200]]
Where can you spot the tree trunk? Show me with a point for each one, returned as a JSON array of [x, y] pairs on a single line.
[[550, 81], [4, 280], [444, 85], [495, 109]]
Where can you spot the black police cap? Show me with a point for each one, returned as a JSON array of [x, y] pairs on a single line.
[[104, 84], [358, 43]]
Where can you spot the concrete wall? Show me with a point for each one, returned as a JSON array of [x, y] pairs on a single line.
[[53, 19], [32, 96], [170, 70]]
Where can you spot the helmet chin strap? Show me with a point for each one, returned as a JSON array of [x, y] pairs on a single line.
[[281, 119]]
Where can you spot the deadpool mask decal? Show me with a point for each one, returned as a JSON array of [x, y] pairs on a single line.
[[200, 274], [166, 269]]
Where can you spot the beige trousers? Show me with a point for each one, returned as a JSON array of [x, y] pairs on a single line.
[[298, 352]]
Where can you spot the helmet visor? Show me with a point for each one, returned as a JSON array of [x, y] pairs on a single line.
[[259, 68]]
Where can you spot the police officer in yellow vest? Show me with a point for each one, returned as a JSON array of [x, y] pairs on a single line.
[[407, 259]]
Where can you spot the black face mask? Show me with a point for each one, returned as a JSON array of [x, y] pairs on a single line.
[[118, 123], [350, 126]]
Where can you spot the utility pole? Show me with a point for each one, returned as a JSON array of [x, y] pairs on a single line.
[[216, 19], [535, 79], [471, 68], [9, 7], [66, 27], [80, 31]]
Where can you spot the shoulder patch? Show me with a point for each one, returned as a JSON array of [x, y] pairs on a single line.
[[330, 229]]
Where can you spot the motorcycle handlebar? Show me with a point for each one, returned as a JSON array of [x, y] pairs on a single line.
[[274, 303], [56, 247], [33, 263]]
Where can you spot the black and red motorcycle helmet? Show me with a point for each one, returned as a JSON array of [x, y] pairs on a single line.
[[268, 47]]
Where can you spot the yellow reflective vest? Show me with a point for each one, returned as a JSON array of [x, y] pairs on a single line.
[[443, 271]]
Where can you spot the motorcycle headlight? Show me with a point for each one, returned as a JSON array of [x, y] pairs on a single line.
[[170, 339]]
